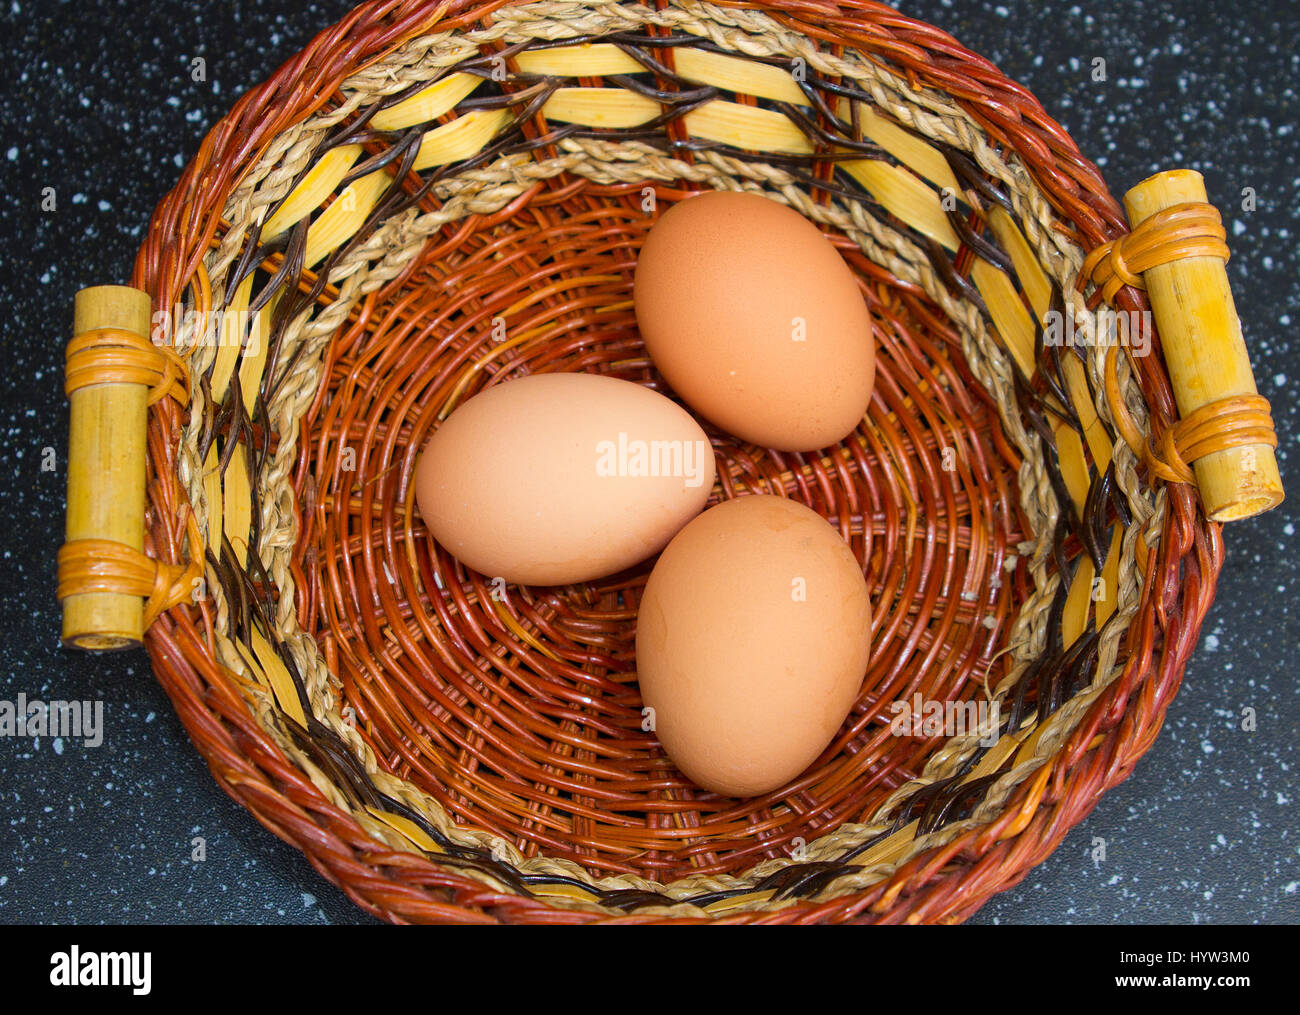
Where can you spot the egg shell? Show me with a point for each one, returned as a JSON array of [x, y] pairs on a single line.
[[756, 321], [549, 479], [752, 641]]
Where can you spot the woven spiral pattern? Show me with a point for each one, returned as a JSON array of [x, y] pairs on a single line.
[[437, 198]]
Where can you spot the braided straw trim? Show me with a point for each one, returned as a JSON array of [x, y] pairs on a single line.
[[488, 190]]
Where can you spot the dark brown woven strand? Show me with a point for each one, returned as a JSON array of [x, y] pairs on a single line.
[[1119, 728]]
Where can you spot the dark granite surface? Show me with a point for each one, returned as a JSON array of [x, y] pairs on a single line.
[[98, 103]]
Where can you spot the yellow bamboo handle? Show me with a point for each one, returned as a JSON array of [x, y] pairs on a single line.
[[1205, 353], [106, 471]]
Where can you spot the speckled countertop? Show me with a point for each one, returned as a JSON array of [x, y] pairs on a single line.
[[101, 111]]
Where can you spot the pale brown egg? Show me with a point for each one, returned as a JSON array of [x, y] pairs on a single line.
[[752, 642], [559, 478], [756, 321]]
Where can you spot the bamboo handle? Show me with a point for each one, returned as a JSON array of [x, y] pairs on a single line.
[[1205, 352], [106, 471]]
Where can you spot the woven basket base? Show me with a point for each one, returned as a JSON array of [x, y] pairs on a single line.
[[516, 708]]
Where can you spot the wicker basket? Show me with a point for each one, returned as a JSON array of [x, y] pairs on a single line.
[[436, 197]]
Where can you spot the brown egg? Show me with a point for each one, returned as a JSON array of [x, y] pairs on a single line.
[[752, 641], [559, 478], [756, 321]]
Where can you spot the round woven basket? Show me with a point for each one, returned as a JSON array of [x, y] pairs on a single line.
[[437, 197]]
